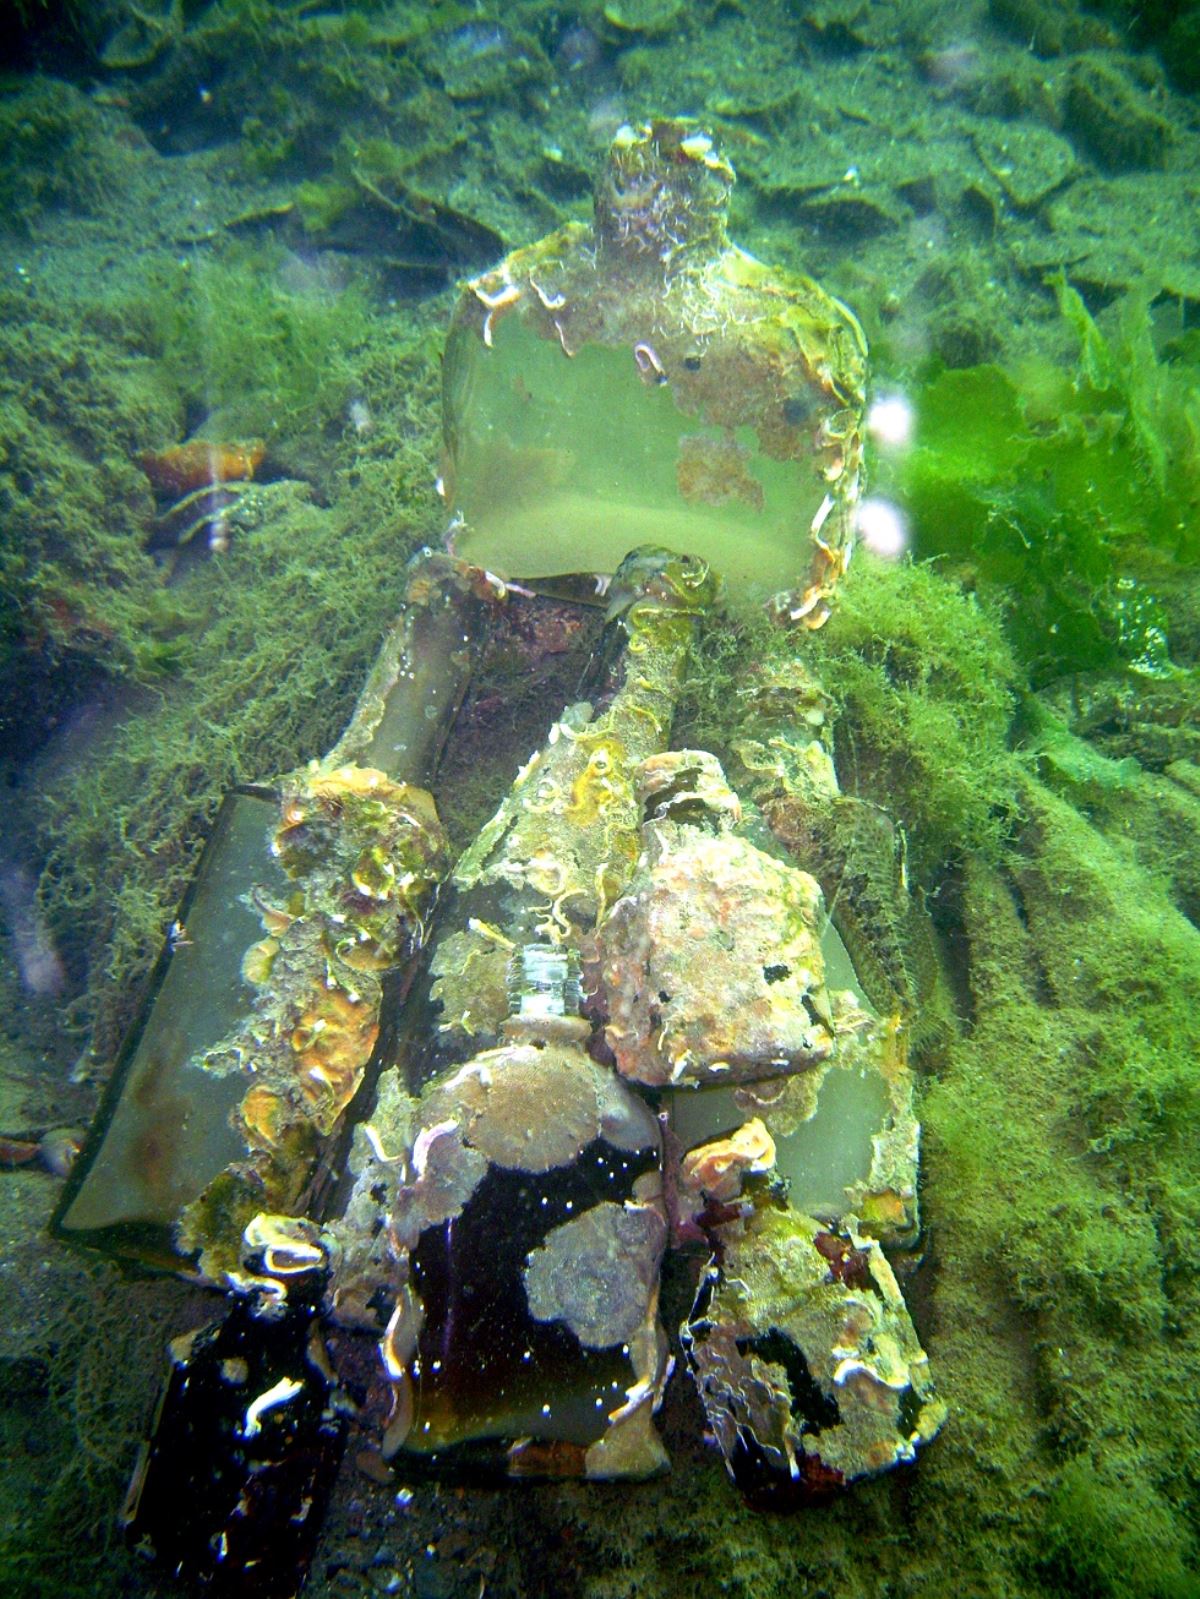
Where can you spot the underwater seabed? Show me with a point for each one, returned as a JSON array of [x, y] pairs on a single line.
[[262, 158]]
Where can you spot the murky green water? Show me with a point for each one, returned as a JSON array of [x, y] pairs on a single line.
[[247, 224]]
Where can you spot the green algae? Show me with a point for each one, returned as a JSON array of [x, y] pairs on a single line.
[[1119, 126], [1056, 1144], [85, 611], [232, 335], [122, 828], [383, 193], [1108, 1534], [77, 590], [58, 150], [925, 682], [1148, 809], [1065, 494], [80, 404], [1059, 1113]]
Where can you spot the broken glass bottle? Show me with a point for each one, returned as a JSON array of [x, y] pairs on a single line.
[[642, 380], [226, 1103]]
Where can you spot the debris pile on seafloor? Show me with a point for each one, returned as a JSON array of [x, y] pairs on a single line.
[[199, 483]]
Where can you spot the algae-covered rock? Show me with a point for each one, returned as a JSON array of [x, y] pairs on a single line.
[[57, 148], [1181, 50], [481, 60], [1058, 1137], [143, 36], [1027, 161], [1051, 29], [76, 588], [1156, 813], [1116, 124], [1122, 232], [642, 16]]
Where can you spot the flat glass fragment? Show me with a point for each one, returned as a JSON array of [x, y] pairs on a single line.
[[168, 1130]]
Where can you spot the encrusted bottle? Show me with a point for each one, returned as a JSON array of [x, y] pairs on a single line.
[[508, 1222], [643, 380], [307, 909]]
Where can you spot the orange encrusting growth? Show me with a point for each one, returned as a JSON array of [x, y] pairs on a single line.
[[182, 468]]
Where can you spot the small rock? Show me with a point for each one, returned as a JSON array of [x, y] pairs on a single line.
[[1113, 121], [1028, 162]]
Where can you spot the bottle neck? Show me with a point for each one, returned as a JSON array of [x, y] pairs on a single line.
[[663, 201]]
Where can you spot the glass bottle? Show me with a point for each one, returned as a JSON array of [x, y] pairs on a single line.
[[640, 379]]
